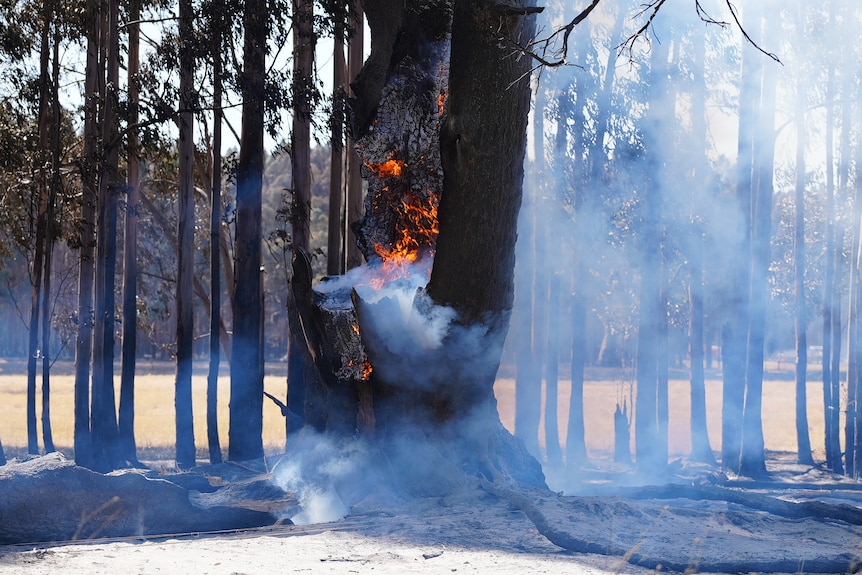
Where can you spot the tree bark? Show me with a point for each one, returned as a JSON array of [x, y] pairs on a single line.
[[41, 200], [87, 250], [473, 270], [651, 455], [803, 442], [246, 373], [752, 456], [103, 411], [356, 56], [185, 438], [213, 442], [128, 448], [335, 239], [735, 332]]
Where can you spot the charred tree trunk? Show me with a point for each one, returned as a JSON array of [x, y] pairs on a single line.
[[430, 398], [300, 161], [87, 251], [803, 442], [185, 434], [353, 211], [103, 411], [752, 457], [552, 372], [651, 455], [246, 369], [126, 422], [41, 200], [213, 442], [735, 332], [700, 448], [54, 187], [335, 237]]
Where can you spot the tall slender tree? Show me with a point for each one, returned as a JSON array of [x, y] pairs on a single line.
[[752, 456], [246, 370], [86, 252], [185, 440], [126, 416], [335, 238], [355, 58], [40, 200], [700, 448], [803, 441], [213, 442], [651, 454], [103, 412]]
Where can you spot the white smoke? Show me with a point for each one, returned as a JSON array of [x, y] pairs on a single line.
[[327, 476]]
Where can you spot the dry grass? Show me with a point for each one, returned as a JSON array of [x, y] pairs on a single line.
[[154, 422], [154, 408]]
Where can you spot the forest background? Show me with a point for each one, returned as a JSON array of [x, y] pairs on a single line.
[[660, 156]]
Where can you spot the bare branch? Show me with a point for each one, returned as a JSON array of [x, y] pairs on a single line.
[[732, 9]]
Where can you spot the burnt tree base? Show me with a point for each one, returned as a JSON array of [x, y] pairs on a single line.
[[433, 434]]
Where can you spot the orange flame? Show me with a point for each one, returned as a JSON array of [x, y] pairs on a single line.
[[441, 103], [417, 230], [391, 168]]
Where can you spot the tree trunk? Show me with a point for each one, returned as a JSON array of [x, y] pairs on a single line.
[[735, 332], [213, 442], [356, 56], [185, 440], [803, 442], [829, 266], [335, 239], [650, 454], [54, 186], [128, 447], [41, 200], [300, 161], [246, 369], [700, 448], [752, 457], [103, 411], [552, 369], [87, 250], [448, 405], [473, 270], [853, 424]]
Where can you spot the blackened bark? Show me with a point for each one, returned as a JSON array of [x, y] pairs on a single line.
[[700, 448], [335, 239], [734, 337], [246, 370], [126, 420], [482, 160], [300, 162], [552, 373], [185, 435], [40, 200], [356, 55], [752, 457], [213, 442], [803, 442], [103, 411], [87, 249]]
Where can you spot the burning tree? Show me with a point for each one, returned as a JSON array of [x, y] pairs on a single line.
[[407, 350]]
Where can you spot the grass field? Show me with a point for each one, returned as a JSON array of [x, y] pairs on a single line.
[[154, 421]]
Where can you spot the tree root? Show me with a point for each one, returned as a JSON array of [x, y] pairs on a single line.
[[842, 563]]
